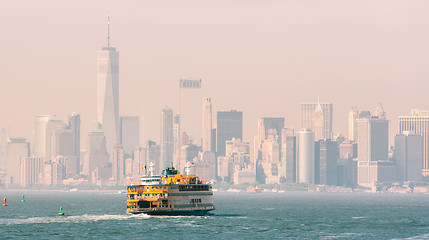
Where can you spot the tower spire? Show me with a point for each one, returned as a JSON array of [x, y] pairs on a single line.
[[108, 31]]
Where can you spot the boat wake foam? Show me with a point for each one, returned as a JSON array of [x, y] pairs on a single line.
[[70, 219], [423, 236]]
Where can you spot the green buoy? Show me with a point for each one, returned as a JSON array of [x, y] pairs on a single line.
[[23, 198], [61, 213]]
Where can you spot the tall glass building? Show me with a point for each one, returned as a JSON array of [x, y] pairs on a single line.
[[108, 93], [229, 126]]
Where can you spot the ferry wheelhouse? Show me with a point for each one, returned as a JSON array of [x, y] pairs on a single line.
[[170, 194]]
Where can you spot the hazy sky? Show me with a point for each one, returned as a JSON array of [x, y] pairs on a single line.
[[260, 57]]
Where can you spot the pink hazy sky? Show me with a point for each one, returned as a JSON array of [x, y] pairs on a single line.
[[260, 57]]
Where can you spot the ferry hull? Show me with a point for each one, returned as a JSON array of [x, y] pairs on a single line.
[[175, 212]]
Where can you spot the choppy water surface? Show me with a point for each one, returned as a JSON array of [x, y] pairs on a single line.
[[101, 215]]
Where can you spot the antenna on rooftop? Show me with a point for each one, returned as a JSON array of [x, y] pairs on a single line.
[[108, 31]]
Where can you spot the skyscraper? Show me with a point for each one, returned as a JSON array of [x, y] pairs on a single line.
[[96, 155], [229, 126], [52, 125], [62, 143], [319, 123], [373, 164], [130, 134], [176, 132], [326, 157], [16, 149], [63, 146], [353, 130], [373, 136], [31, 170], [74, 126], [408, 157], [207, 124], [118, 163], [167, 140], [288, 156], [190, 108], [305, 156], [418, 123], [108, 92], [39, 148], [310, 117]]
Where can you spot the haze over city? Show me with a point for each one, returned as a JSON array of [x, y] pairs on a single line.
[[278, 119], [261, 58]]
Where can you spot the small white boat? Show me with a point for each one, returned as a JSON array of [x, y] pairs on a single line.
[[233, 190]]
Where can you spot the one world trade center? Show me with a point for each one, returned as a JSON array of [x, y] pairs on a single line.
[[108, 92]]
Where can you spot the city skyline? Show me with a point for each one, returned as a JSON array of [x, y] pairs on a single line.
[[269, 119], [274, 67]]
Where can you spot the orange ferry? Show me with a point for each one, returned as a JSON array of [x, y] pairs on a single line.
[[170, 194]]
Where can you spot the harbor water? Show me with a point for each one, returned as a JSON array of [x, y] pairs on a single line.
[[289, 215]]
